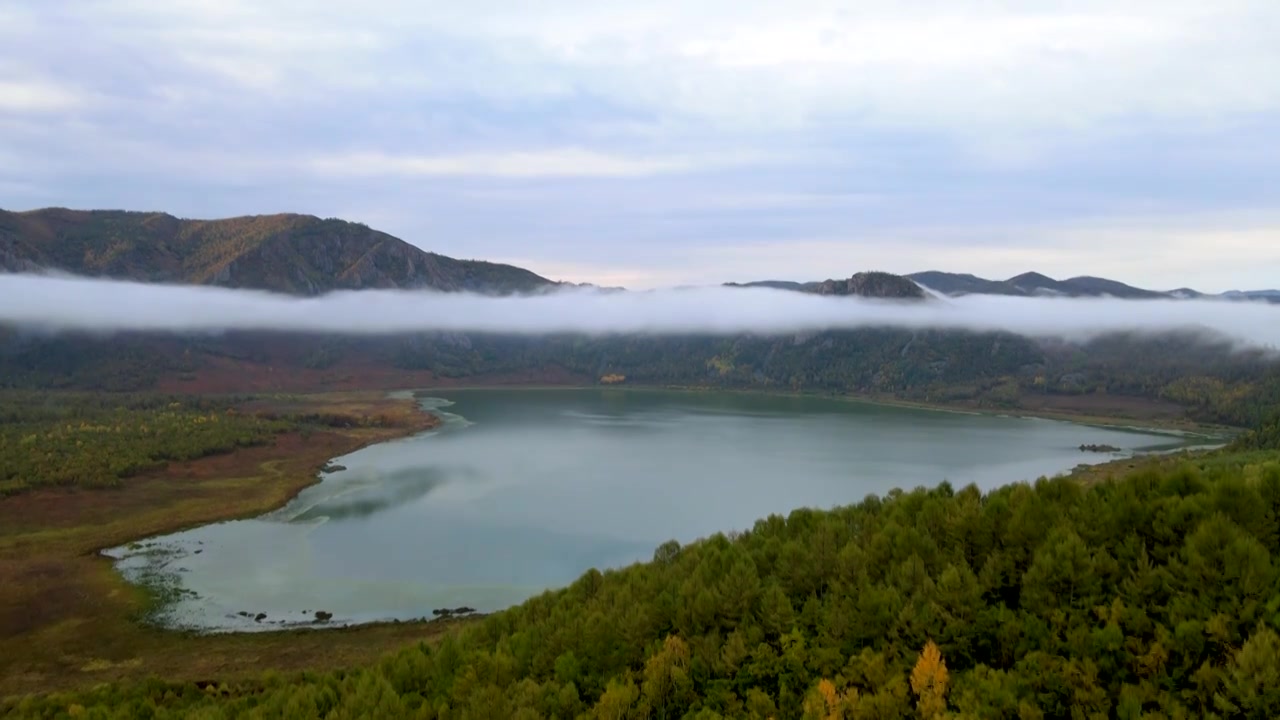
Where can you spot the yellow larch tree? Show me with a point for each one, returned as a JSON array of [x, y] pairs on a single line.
[[826, 703], [929, 682]]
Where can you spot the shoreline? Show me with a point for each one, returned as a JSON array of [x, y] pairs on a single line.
[[84, 623], [429, 421], [1183, 429], [420, 421]]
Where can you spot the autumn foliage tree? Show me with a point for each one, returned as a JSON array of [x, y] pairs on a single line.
[[929, 682]]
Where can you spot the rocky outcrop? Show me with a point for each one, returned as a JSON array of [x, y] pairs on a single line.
[[872, 285], [863, 284]]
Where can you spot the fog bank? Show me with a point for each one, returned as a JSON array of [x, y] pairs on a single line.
[[79, 304]]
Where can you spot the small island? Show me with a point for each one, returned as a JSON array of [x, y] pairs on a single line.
[[1099, 448]]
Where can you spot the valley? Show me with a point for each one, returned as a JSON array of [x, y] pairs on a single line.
[[728, 525], [639, 361]]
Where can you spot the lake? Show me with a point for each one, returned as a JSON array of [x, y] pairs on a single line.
[[521, 490]]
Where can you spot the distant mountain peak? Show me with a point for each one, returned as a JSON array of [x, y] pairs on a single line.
[[1032, 277]]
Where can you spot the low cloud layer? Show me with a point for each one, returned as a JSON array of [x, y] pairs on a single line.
[[77, 304]]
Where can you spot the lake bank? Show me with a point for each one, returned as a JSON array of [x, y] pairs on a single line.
[[1141, 422]]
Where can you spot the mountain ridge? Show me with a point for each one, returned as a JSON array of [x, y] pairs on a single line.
[[1033, 284], [1030, 284], [289, 253], [303, 254]]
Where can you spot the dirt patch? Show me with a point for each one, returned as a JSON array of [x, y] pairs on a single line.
[[67, 619], [1114, 406]]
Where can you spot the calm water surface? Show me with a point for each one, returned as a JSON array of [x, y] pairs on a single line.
[[522, 490]]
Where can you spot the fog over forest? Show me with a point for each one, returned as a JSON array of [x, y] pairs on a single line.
[[79, 304]]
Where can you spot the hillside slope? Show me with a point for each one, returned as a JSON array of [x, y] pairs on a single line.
[[963, 284], [296, 254]]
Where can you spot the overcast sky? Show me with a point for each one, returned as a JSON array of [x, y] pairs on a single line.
[[666, 142]]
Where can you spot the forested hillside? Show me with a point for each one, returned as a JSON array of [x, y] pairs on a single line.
[[1211, 382], [1152, 595]]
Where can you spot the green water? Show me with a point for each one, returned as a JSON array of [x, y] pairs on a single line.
[[523, 490]]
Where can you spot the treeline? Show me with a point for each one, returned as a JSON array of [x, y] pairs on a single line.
[[51, 439], [121, 363], [1215, 381], [1152, 595], [874, 360], [1265, 437]]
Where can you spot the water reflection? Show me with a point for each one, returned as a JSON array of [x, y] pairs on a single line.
[[379, 493]]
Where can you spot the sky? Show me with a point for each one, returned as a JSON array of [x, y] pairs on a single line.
[[659, 143]]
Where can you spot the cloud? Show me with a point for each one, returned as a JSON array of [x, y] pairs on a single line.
[[752, 63], [759, 63], [558, 163], [35, 97], [61, 304]]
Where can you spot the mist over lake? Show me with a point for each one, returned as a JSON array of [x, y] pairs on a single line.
[[522, 490]]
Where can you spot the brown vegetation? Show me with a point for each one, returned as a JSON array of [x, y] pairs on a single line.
[[67, 619], [1111, 406]]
